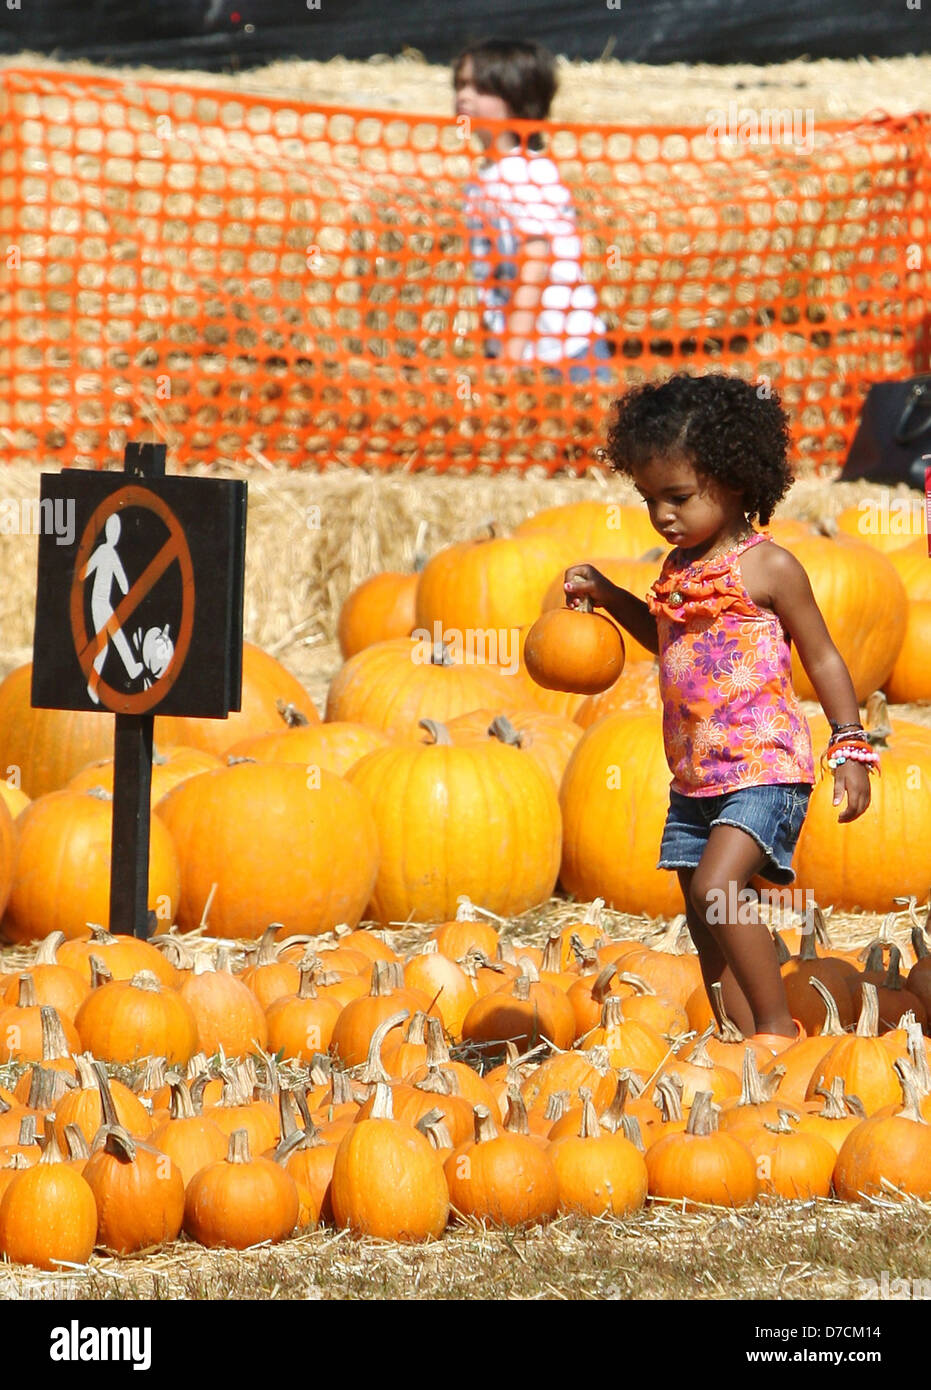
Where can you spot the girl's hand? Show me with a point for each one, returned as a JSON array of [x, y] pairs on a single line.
[[584, 581], [851, 777]]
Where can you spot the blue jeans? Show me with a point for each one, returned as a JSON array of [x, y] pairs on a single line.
[[772, 814]]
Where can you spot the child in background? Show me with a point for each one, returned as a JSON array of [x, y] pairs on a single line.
[[526, 249], [709, 455]]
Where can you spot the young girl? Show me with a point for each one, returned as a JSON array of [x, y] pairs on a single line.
[[525, 246], [709, 455]]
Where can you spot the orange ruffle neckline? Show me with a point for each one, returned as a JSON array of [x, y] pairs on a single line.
[[703, 589]]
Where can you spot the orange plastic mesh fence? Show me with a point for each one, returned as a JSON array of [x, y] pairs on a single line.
[[251, 278]]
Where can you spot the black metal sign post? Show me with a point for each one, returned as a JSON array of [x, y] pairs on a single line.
[[139, 609]]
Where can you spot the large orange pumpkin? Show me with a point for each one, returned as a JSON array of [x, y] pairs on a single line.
[[62, 877], [392, 685], [910, 678], [495, 583], [588, 528], [864, 606], [614, 801], [278, 845], [481, 820], [913, 568], [47, 746], [381, 607]]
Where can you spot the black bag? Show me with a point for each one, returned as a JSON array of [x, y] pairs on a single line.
[[893, 438]]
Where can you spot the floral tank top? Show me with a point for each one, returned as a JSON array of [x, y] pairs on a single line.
[[730, 715]]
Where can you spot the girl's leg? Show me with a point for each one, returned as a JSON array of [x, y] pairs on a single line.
[[714, 966], [730, 859]]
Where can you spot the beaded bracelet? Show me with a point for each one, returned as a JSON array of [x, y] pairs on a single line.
[[840, 751], [845, 729]]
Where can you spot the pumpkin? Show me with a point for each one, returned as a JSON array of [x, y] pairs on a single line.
[[169, 767], [494, 584], [635, 690], [893, 998], [574, 649], [867, 863], [443, 981], [387, 1179], [910, 678], [698, 1072], [268, 690], [190, 1140], [301, 1024], [523, 1011], [307, 1157], [359, 1022], [62, 877], [481, 820], [589, 527], [797, 1063], [791, 1162], [612, 795], [861, 1059], [381, 607], [911, 564], [805, 1003], [905, 520], [635, 576], [57, 985], [48, 1215], [139, 1192], [55, 1053], [335, 747], [263, 841], [47, 746], [14, 797], [21, 1029], [238, 1109], [504, 1178], [240, 1200], [549, 738], [598, 1173], [226, 1011], [123, 956], [466, 932], [700, 1165], [629, 1042], [98, 1100], [392, 685], [864, 605], [887, 1155], [838, 1117], [270, 976], [128, 1019]]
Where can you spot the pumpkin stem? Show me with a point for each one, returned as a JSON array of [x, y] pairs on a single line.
[[267, 953], [612, 1119], [382, 1108], [868, 1022], [485, 1127], [754, 1088], [876, 722], [552, 954], [181, 1107], [100, 972], [51, 1149], [586, 957], [782, 951], [26, 996], [515, 1120], [439, 734], [54, 1043], [638, 985], [76, 1143], [440, 655], [919, 944], [784, 1124], [557, 1103], [911, 1103], [417, 1028], [28, 1134], [437, 1050], [837, 1104], [440, 1083], [238, 1150], [47, 1085], [117, 1141], [107, 1108], [698, 1056], [832, 1026], [47, 954], [148, 981], [611, 1012], [373, 1068], [918, 1056], [589, 1128], [667, 1094], [727, 1029], [292, 716], [703, 1116], [894, 978], [503, 730], [433, 1127], [307, 988]]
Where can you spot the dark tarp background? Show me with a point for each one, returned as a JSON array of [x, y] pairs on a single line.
[[219, 35]]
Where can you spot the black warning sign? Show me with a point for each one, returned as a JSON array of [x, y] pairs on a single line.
[[140, 611]]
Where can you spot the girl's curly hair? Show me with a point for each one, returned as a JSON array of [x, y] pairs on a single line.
[[720, 423]]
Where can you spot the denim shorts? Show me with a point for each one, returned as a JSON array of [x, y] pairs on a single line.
[[772, 814]]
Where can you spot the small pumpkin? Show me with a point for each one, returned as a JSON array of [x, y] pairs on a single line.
[[240, 1200]]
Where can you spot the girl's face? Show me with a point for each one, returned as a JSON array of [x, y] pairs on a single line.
[[476, 105], [688, 509]]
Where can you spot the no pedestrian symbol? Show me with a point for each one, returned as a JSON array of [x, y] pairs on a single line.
[[131, 666], [140, 612]]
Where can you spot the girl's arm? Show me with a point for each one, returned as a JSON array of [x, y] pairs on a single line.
[[584, 581], [794, 604]]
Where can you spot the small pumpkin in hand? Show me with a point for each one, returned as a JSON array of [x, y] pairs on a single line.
[[574, 649]]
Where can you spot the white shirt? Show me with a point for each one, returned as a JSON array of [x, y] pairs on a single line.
[[520, 197]]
